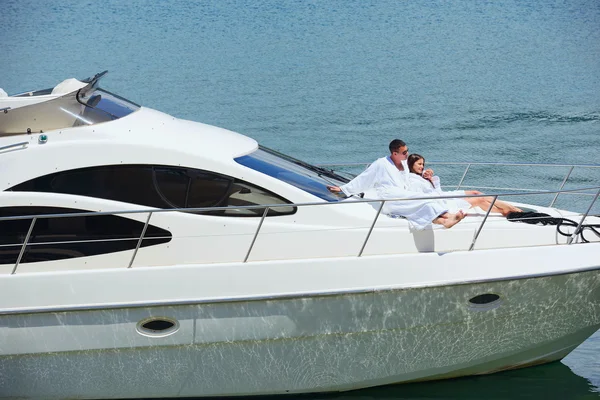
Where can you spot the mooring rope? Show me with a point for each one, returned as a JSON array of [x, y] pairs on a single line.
[[535, 218]]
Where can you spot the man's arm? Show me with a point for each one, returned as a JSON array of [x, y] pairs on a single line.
[[364, 181]]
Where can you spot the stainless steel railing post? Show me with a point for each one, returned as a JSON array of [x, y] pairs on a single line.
[[371, 229], [139, 243], [463, 177], [483, 223], [24, 246], [256, 233], [562, 186], [572, 237]]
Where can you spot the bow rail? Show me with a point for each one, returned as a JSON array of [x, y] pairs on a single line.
[[151, 212], [468, 165]]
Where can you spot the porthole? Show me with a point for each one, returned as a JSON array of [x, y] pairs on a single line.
[[157, 327], [485, 301]]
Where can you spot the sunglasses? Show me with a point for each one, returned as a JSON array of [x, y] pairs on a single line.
[[405, 152]]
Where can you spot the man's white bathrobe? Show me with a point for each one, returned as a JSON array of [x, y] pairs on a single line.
[[391, 183], [419, 184]]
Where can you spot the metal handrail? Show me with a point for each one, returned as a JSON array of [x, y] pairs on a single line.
[[463, 177], [504, 164], [139, 243], [256, 233], [562, 185], [583, 218], [10, 146], [269, 206], [371, 228], [24, 246], [261, 206], [501, 163], [517, 189], [482, 223]]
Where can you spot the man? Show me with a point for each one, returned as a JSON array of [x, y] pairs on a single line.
[[389, 177]]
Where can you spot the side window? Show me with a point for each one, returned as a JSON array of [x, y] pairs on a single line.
[[127, 183], [192, 188], [207, 189], [173, 185], [161, 187], [70, 237], [188, 188], [245, 194]]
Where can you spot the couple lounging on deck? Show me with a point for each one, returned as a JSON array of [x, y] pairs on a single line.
[[391, 178]]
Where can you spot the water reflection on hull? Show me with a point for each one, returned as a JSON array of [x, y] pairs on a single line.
[[554, 380], [551, 381]]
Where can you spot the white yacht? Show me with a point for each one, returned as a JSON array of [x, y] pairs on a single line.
[[145, 256]]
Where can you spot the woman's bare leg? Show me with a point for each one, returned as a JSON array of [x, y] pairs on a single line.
[[506, 208], [500, 206], [449, 220]]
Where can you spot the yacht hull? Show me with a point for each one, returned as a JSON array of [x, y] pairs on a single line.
[[316, 343]]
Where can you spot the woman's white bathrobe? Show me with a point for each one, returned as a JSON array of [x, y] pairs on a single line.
[[391, 183], [419, 184]]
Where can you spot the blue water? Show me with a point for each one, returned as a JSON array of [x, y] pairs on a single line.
[[335, 81]]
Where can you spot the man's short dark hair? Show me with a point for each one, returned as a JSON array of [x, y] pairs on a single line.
[[396, 144]]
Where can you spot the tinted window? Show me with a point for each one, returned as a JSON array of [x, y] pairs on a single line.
[[208, 190], [185, 188], [309, 178], [174, 185], [160, 187], [127, 183], [188, 188], [60, 238], [243, 194]]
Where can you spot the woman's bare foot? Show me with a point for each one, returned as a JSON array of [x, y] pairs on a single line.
[[449, 220]]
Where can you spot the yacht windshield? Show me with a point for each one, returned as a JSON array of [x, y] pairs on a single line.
[[102, 105], [307, 177], [87, 106]]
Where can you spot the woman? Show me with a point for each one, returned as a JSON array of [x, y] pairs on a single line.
[[423, 180]]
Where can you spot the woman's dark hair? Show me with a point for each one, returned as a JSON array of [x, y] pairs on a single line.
[[412, 159]]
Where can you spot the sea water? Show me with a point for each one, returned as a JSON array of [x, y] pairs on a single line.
[[335, 81]]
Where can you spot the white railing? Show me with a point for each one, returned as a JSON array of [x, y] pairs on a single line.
[[468, 165], [267, 207]]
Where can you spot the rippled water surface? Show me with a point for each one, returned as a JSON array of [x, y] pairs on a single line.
[[335, 81]]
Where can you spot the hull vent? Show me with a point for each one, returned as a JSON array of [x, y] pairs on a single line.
[[485, 302], [157, 327]]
